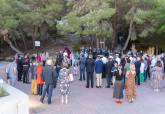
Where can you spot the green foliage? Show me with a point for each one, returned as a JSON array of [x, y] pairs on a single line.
[[3, 92], [24, 15], [76, 47], [87, 18]]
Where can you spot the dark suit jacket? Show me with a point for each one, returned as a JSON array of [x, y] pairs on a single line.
[[90, 65], [48, 75], [109, 66]]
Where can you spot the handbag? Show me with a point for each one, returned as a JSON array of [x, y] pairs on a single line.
[[70, 77]]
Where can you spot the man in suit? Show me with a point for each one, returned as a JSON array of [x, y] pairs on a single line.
[[90, 69], [109, 66], [137, 66], [82, 68]]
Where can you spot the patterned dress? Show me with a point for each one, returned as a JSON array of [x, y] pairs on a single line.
[[130, 85], [64, 81]]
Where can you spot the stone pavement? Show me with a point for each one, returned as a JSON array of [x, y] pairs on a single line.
[[97, 101]]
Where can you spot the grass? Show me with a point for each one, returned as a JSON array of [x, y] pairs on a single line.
[[3, 92]]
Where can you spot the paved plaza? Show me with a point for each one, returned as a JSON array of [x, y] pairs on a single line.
[[96, 101]]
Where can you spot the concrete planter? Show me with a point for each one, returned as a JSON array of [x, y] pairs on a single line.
[[16, 102]]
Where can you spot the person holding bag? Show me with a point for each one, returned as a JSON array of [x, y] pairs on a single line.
[[64, 81]]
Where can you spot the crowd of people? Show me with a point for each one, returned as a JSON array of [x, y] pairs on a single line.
[[122, 71]]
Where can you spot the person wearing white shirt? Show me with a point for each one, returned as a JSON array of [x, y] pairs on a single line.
[[104, 60], [118, 59], [65, 54], [142, 68]]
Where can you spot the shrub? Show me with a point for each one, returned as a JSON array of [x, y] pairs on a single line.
[[76, 47], [3, 92]]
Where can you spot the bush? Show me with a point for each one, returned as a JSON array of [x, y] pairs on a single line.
[[3, 92], [76, 47]]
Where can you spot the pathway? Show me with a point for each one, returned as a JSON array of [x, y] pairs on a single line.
[[97, 101]]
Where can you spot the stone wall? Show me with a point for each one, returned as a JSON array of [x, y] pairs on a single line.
[[16, 103]]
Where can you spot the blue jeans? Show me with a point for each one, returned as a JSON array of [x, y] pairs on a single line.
[[47, 88], [58, 68], [82, 74], [40, 88]]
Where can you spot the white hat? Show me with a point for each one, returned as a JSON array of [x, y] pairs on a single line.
[[49, 62], [110, 57]]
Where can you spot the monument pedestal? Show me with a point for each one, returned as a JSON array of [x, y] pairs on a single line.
[[16, 102]]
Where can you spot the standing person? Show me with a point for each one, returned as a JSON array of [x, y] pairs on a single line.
[[94, 53], [148, 68], [32, 72], [64, 83], [130, 84], [145, 68], [40, 82], [76, 70], [163, 59], [90, 69], [109, 66], [11, 71], [158, 76], [44, 57], [48, 77], [123, 63], [19, 67], [142, 68], [137, 67], [105, 60], [39, 58], [58, 63], [98, 70], [118, 59], [26, 65], [82, 68], [119, 85]]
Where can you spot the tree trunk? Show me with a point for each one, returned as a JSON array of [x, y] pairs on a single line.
[[25, 45], [11, 45], [97, 42], [129, 35], [15, 43], [34, 36]]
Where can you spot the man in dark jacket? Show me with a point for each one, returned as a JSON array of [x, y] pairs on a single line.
[[19, 67], [137, 66], [82, 68], [109, 66], [49, 78], [58, 65], [26, 65], [89, 69]]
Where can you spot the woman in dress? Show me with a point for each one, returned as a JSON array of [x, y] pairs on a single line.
[[119, 84], [130, 84], [158, 76], [64, 83]]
